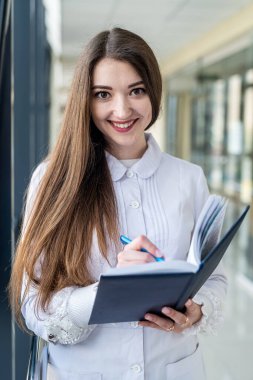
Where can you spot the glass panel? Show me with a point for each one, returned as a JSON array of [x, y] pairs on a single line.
[[235, 128], [248, 120], [222, 143], [217, 130], [249, 76], [246, 180], [198, 135], [232, 176], [215, 178]]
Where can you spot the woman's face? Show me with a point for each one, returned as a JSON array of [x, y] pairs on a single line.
[[120, 107]]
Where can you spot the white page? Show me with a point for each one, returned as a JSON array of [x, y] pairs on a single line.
[[170, 266], [207, 229], [213, 235]]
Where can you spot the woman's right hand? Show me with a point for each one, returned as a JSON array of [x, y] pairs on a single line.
[[132, 254]]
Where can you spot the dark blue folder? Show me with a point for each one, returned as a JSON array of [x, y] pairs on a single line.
[[125, 298]]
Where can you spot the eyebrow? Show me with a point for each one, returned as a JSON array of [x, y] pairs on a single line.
[[136, 84], [110, 88]]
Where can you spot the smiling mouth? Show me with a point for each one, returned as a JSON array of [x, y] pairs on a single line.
[[123, 125]]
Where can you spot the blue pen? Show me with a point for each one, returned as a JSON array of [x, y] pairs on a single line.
[[126, 240]]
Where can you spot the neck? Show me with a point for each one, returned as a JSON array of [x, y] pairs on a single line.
[[127, 154]]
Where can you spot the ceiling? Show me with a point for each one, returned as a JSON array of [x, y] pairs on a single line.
[[167, 25]]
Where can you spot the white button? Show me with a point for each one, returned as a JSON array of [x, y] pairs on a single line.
[[134, 324], [129, 173], [136, 368], [135, 204]]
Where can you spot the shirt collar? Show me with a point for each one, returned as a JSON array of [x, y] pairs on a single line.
[[144, 168]]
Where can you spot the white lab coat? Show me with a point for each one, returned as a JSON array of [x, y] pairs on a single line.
[[160, 196]]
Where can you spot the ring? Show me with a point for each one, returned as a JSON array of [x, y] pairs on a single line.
[[171, 328]]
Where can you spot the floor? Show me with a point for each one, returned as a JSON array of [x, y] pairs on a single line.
[[229, 355]]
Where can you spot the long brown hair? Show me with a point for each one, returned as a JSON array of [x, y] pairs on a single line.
[[76, 195]]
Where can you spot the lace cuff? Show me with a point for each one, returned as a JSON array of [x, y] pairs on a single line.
[[59, 326], [211, 307], [60, 329]]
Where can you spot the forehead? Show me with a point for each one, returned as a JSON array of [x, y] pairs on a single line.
[[112, 70]]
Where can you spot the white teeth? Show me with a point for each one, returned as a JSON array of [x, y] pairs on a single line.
[[122, 125]]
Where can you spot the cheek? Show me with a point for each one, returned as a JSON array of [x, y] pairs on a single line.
[[144, 108], [148, 110], [96, 112]]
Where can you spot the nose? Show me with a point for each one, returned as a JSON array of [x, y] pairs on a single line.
[[122, 109]]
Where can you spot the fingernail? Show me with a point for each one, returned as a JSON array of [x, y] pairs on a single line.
[[148, 316], [188, 303], [166, 310], [159, 253]]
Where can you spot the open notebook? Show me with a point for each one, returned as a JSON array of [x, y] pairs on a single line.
[[126, 294]]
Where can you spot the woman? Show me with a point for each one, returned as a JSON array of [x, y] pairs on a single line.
[[107, 177]]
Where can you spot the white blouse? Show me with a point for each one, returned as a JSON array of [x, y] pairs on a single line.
[[159, 196]]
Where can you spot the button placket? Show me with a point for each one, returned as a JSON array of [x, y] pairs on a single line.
[[129, 173], [135, 224], [136, 356], [136, 368], [134, 204]]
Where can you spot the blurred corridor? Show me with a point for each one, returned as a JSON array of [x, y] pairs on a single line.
[[205, 52]]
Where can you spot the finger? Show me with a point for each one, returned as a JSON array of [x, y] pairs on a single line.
[[149, 324], [143, 242], [163, 323], [193, 311], [190, 306], [179, 318]]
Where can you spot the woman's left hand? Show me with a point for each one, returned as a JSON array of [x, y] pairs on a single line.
[[177, 321]]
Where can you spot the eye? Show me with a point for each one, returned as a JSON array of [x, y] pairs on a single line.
[[102, 95], [138, 91]]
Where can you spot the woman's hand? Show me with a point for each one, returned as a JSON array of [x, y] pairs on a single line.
[[131, 255], [177, 321]]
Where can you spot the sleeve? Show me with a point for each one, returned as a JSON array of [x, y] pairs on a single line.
[[212, 294], [66, 319]]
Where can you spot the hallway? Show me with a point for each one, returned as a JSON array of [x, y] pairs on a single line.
[[228, 356]]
